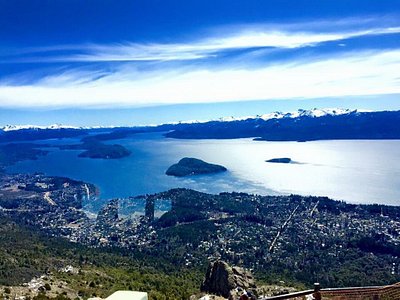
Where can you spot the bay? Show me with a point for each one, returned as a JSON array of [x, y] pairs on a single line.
[[356, 171]]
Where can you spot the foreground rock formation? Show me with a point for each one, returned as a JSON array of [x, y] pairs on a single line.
[[228, 282]]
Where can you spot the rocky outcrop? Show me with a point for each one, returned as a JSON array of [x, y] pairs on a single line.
[[225, 281]]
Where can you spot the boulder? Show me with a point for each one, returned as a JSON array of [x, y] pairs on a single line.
[[223, 280]]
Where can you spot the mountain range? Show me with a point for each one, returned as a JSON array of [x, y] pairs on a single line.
[[301, 125], [274, 115]]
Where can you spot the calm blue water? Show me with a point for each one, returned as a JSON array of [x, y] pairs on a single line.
[[355, 171]]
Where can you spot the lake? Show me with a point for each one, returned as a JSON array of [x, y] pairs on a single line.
[[357, 171]]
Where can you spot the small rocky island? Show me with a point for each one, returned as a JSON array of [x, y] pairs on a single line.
[[192, 166], [282, 160]]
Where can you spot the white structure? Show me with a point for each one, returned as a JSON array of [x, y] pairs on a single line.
[[125, 295]]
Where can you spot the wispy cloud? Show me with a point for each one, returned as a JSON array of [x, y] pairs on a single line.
[[365, 73], [213, 46], [278, 36], [141, 77]]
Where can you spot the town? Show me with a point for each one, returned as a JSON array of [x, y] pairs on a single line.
[[316, 238]]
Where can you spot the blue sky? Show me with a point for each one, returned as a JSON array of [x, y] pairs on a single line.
[[140, 62]]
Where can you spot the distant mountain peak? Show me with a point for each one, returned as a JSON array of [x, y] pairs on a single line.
[[49, 127], [53, 126], [314, 113], [301, 125]]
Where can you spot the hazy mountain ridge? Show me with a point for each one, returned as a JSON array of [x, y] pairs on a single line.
[[302, 126], [50, 127], [315, 112]]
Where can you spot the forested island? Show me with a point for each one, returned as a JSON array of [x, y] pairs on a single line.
[[96, 149], [22, 144], [192, 166], [11, 153], [282, 160]]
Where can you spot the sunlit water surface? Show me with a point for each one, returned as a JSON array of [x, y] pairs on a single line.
[[357, 171]]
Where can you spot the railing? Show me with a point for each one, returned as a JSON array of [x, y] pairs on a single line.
[[388, 292], [291, 295]]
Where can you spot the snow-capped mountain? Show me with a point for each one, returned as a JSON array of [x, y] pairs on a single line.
[[302, 125], [53, 126], [50, 127], [313, 113]]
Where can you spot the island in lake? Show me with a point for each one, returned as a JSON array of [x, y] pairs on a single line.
[[105, 151], [12, 153], [96, 149], [193, 166], [282, 160]]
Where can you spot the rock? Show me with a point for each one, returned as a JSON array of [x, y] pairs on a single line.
[[69, 269], [282, 160], [193, 166], [225, 281], [275, 290]]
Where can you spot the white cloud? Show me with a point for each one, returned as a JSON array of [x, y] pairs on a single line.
[[365, 73], [278, 36]]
